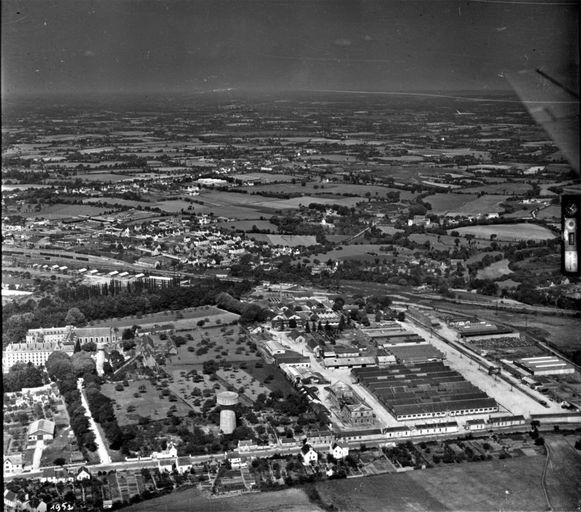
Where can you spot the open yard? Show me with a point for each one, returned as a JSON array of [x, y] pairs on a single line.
[[521, 231], [509, 484]]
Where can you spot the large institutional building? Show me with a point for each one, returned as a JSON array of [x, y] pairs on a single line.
[[41, 343]]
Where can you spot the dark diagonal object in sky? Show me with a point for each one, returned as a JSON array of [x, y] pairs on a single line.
[[553, 105]]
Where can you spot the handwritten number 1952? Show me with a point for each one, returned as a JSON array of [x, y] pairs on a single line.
[[61, 507]]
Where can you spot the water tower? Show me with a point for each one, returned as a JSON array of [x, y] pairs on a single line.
[[227, 400]]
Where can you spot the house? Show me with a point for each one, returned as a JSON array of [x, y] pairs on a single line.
[[296, 336], [338, 451], [10, 500], [13, 464], [170, 452], [83, 474], [308, 455], [183, 464], [41, 430], [238, 462], [245, 445]]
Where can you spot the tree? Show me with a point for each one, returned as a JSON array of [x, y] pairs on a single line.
[[59, 366], [75, 317], [82, 364]]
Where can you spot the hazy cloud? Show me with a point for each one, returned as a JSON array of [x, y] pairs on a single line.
[[343, 42]]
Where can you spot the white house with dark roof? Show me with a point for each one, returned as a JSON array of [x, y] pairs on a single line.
[[338, 451], [13, 464], [308, 455]]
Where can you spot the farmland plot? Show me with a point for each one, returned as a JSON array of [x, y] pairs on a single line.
[[521, 231]]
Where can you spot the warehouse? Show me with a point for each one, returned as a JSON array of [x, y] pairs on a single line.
[[415, 353], [474, 331], [548, 365], [424, 390]]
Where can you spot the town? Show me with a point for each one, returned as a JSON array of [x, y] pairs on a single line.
[[245, 296]]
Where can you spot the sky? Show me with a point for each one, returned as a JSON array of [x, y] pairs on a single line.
[[126, 46]]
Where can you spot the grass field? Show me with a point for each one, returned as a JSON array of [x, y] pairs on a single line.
[[279, 381], [112, 201], [501, 188], [443, 203], [465, 204], [510, 484], [148, 404], [287, 500], [104, 176], [443, 242], [354, 251], [169, 317], [521, 231], [247, 225], [313, 187], [551, 212], [296, 202], [222, 343], [60, 211], [563, 478]]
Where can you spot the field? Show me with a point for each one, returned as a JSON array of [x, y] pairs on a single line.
[[61, 211], [338, 189], [296, 202], [287, 500], [443, 242], [101, 176], [465, 204], [564, 473], [494, 270], [278, 382], [148, 403], [510, 484], [113, 201], [521, 231], [550, 212], [186, 319], [355, 251], [221, 342], [247, 225], [443, 203], [501, 188]]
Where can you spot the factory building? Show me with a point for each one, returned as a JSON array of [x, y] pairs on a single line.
[[547, 365], [424, 390]]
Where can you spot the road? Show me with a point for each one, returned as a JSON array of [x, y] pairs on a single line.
[[38, 449], [101, 447]]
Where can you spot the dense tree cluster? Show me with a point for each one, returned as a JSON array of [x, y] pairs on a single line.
[[108, 301], [61, 370], [248, 312], [22, 375]]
